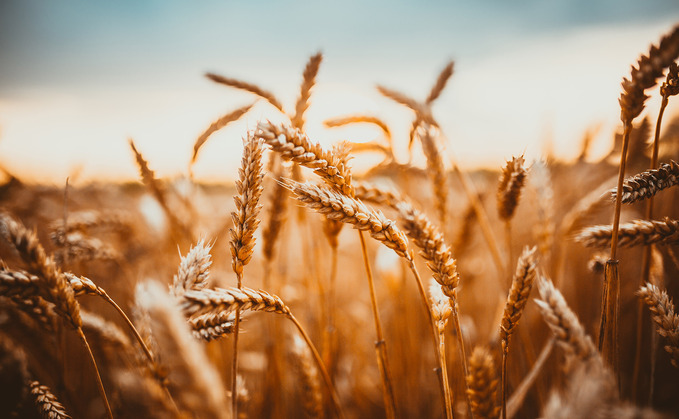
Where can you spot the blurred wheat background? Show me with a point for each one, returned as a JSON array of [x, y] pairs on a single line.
[[318, 210]]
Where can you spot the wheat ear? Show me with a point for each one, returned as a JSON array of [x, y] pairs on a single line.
[[149, 179], [441, 310], [294, 145], [216, 126], [633, 233], [440, 261], [53, 286], [522, 283], [85, 286], [225, 301], [47, 403], [662, 313], [436, 168], [308, 81], [669, 88], [351, 211], [632, 99], [440, 83], [482, 385], [248, 87], [564, 324], [245, 222], [646, 184]]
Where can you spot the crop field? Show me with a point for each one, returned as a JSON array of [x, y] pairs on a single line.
[[542, 288]]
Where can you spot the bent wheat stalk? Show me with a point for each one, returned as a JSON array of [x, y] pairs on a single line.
[[229, 300], [245, 222], [516, 301]]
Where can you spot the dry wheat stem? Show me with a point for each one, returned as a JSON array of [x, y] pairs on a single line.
[[245, 222], [633, 233], [351, 211], [216, 126], [85, 286], [522, 283], [294, 145], [482, 385], [222, 302], [521, 391], [482, 218], [248, 87], [380, 344], [308, 81], [102, 391], [668, 88], [664, 316], [47, 403]]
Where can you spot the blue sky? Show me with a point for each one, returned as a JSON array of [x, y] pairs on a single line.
[[98, 72]]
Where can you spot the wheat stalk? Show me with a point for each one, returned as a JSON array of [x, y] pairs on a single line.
[[522, 283], [149, 179]]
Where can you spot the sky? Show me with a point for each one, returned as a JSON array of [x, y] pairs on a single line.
[[79, 78]]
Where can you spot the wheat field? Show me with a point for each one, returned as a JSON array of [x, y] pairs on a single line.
[[540, 289]]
